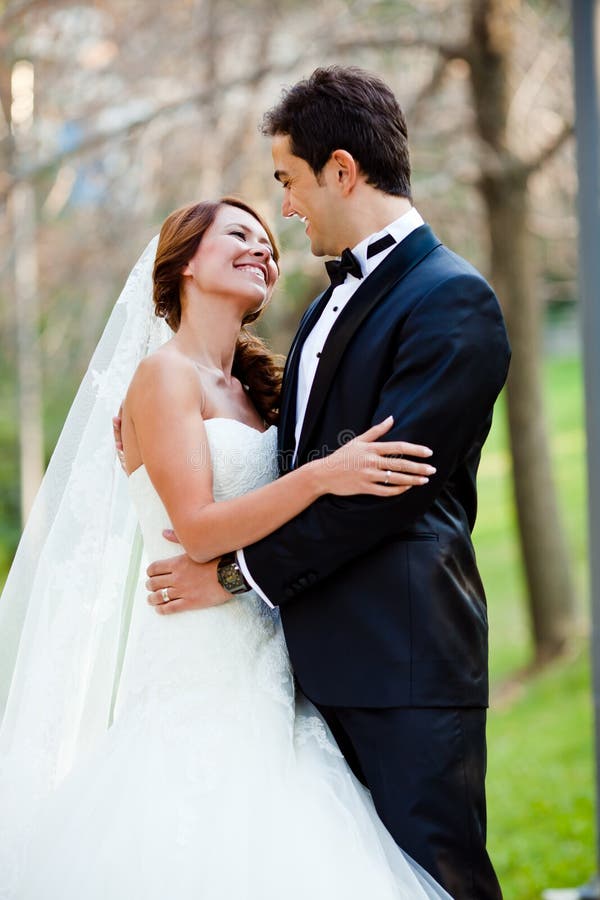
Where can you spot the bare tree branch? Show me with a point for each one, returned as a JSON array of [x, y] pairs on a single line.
[[99, 138], [498, 166], [550, 149], [20, 8], [428, 89], [393, 41]]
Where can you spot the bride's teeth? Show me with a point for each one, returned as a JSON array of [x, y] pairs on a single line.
[[253, 269]]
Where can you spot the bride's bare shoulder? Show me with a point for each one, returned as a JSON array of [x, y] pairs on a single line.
[[166, 372]]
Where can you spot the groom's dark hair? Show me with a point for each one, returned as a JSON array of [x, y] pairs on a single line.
[[346, 108]]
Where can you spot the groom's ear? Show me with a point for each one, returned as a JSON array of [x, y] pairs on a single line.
[[346, 170]]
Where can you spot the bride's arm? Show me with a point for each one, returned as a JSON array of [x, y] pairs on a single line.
[[164, 405]]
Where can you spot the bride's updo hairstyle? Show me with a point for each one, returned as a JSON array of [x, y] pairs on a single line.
[[257, 367]]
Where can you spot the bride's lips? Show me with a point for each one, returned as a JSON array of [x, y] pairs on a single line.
[[256, 268]]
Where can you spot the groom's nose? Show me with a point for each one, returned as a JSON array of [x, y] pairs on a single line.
[[287, 209]]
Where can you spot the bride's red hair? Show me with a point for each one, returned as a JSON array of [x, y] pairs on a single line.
[[254, 364]]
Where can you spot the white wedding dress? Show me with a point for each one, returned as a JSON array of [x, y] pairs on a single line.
[[215, 781]]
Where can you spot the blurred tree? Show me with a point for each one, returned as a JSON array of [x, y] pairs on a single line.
[[504, 185], [26, 298], [17, 103], [142, 106]]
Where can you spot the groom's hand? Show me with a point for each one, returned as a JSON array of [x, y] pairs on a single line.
[[188, 585]]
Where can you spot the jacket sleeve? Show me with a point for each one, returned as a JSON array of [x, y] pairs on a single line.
[[450, 365]]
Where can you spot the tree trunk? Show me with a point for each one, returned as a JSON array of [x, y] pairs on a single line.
[[504, 188], [23, 212], [31, 435], [547, 565]]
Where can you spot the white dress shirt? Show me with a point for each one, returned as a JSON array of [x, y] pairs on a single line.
[[314, 343]]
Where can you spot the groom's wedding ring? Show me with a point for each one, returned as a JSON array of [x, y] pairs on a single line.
[[164, 593], [388, 475]]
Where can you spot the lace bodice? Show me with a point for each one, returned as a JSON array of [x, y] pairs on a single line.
[[237, 644]]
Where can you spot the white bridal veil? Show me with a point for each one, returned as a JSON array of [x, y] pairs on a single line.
[[64, 612]]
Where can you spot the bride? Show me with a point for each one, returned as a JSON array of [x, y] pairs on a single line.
[[144, 756]]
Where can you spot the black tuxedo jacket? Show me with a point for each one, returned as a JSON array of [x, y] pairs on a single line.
[[380, 598]]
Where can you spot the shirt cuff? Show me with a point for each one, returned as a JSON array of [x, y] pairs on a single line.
[[239, 556]]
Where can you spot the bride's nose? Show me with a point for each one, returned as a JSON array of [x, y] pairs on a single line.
[[261, 252]]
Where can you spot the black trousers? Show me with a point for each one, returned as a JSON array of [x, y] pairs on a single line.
[[425, 769]]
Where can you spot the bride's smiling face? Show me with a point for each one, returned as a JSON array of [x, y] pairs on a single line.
[[234, 259]]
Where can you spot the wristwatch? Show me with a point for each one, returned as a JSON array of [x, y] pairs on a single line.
[[230, 576]]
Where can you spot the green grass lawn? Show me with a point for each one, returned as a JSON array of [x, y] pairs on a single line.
[[540, 784], [540, 777]]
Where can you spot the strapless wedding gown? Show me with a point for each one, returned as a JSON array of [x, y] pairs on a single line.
[[216, 781]]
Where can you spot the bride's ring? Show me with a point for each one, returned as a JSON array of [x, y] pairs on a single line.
[[388, 475], [164, 593]]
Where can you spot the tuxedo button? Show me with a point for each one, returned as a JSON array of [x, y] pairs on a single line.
[[289, 592]]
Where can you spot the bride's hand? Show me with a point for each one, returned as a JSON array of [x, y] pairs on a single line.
[[366, 465]]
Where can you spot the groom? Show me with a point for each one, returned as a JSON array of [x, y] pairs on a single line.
[[381, 601]]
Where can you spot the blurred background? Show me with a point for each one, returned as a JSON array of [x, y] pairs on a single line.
[[115, 112]]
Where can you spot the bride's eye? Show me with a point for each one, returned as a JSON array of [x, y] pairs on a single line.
[[239, 234]]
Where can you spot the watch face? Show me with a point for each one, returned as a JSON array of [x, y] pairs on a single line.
[[230, 578]]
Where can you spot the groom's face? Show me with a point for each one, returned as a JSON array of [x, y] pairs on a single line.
[[314, 200]]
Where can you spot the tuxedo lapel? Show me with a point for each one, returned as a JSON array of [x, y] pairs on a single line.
[[287, 413], [409, 253]]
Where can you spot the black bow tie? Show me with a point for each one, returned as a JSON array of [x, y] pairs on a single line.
[[347, 264]]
